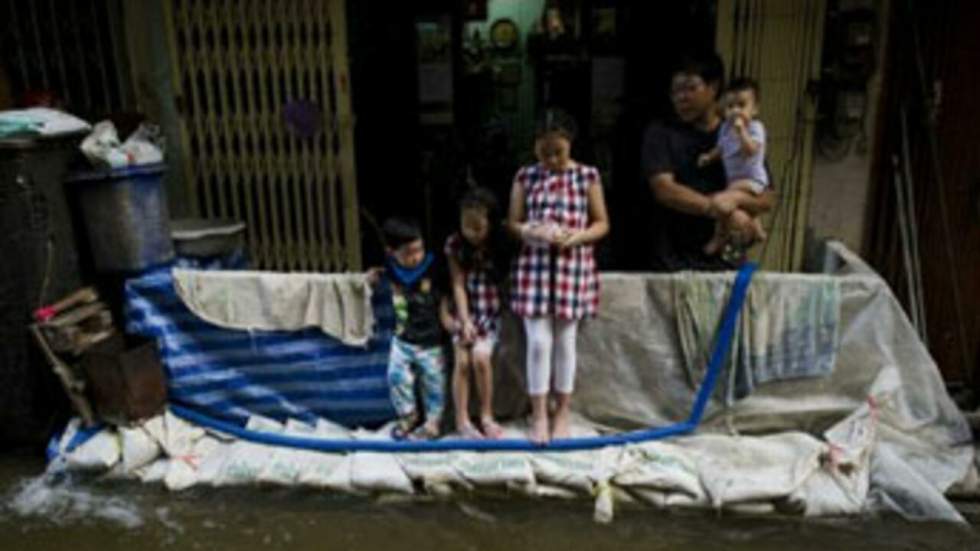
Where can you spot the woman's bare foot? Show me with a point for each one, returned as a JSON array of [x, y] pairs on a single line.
[[539, 430]]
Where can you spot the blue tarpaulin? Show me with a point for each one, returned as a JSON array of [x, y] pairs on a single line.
[[231, 374]]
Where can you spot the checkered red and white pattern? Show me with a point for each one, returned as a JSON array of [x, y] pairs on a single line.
[[547, 281], [481, 293]]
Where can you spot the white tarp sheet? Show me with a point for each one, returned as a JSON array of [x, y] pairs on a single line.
[[875, 431]]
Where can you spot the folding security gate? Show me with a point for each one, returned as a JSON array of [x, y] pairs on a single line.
[[240, 66]]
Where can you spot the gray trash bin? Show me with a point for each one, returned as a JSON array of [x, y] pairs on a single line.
[[125, 215]]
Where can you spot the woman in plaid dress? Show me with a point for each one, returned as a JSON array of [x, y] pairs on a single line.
[[475, 268], [558, 211]]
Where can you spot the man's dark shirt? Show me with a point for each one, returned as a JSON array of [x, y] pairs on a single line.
[[678, 239]]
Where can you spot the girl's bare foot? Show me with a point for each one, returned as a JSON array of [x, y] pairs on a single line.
[[468, 432], [490, 428], [539, 430], [560, 426]]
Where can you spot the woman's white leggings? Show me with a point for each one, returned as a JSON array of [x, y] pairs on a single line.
[[550, 342]]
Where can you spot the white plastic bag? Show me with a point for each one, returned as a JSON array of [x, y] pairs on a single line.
[[144, 146], [103, 148]]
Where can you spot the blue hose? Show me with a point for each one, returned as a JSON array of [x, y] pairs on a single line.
[[718, 355]]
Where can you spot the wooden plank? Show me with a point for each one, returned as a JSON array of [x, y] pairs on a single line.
[[74, 386]]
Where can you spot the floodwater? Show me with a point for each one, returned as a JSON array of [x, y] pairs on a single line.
[[133, 517]]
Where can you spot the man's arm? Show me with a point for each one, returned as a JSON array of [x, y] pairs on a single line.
[[684, 199], [678, 197]]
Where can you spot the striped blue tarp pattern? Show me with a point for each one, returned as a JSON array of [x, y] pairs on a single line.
[[232, 374]]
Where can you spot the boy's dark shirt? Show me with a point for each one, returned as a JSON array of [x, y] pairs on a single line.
[[422, 326]]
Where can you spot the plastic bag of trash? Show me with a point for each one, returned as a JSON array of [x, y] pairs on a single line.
[[145, 145], [103, 148]]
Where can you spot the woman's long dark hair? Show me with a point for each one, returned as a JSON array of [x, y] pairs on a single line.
[[494, 256], [556, 120]]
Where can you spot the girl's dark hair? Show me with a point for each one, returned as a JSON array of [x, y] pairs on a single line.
[[495, 254], [558, 121], [479, 197], [398, 231]]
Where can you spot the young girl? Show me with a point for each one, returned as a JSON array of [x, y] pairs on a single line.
[[475, 269], [558, 211]]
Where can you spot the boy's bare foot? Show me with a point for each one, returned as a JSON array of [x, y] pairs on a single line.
[[404, 427], [539, 430], [560, 426], [425, 431]]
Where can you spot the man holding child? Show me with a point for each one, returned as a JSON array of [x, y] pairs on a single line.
[[683, 188]]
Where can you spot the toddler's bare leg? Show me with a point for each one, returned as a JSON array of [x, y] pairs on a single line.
[[717, 240], [743, 186], [758, 231], [742, 227]]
